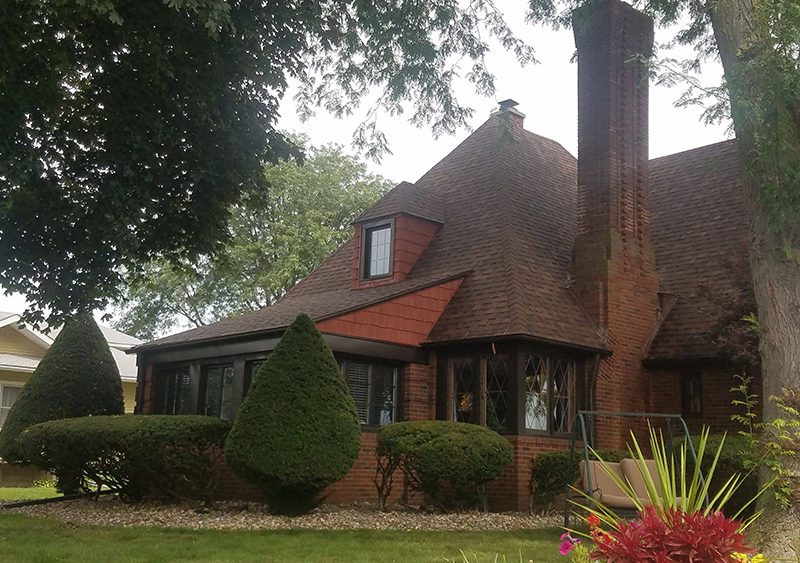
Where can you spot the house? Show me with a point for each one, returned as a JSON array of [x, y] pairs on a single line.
[[21, 348], [514, 284]]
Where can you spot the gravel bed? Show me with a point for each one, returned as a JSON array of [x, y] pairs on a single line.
[[250, 516]]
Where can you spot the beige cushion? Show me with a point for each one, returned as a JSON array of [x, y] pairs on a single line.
[[631, 470], [605, 488]]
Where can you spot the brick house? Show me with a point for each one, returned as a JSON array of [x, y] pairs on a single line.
[[514, 284]]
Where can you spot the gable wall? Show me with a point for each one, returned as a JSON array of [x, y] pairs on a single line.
[[408, 319], [12, 342]]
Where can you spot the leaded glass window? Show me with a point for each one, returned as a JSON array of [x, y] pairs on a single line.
[[218, 391], [465, 382], [374, 390], [536, 392], [563, 394], [550, 393], [497, 393]]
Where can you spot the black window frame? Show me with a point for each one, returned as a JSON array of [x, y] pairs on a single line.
[[367, 230], [691, 380]]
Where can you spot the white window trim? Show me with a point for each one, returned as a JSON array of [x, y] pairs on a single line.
[[12, 384]]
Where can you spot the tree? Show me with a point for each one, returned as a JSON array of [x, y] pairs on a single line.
[[297, 430], [758, 43], [76, 377], [276, 238], [130, 128]]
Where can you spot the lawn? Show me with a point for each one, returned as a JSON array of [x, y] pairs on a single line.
[[26, 493], [24, 538]]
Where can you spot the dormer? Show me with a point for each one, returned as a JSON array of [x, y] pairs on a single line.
[[391, 235]]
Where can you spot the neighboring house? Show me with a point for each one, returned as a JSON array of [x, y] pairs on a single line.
[[514, 284], [21, 348]]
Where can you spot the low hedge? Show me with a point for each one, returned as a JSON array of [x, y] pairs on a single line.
[[551, 473], [737, 456], [151, 455], [450, 462]]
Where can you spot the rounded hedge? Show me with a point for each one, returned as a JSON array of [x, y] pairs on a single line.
[[448, 461], [76, 377], [297, 430], [136, 455]]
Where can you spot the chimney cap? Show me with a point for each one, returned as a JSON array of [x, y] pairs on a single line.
[[508, 104]]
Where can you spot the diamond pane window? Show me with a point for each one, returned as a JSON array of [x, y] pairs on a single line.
[[497, 393], [563, 394], [377, 251], [536, 392], [465, 379], [374, 389]]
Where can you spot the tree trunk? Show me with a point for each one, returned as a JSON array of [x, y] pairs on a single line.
[[776, 274]]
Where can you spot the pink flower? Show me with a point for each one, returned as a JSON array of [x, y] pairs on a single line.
[[567, 543]]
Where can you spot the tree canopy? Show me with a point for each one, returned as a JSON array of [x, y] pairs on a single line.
[[130, 128], [276, 237]]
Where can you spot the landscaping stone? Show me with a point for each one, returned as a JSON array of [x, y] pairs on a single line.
[[107, 511]]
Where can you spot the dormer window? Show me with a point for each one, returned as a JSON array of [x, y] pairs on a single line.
[[377, 250]]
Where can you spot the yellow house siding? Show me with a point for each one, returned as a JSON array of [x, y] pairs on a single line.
[[129, 394], [13, 377], [12, 342]]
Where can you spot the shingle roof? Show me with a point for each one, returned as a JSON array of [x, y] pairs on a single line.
[[406, 198], [509, 209], [700, 239], [510, 222]]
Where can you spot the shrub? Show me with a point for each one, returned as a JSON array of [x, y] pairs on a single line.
[[137, 455], [552, 472], [450, 462], [77, 377], [297, 431]]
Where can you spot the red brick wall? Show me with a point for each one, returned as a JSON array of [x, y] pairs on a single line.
[[716, 383], [407, 319], [411, 237], [148, 391]]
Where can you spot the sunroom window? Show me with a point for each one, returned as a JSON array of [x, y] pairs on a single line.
[[218, 391], [373, 387]]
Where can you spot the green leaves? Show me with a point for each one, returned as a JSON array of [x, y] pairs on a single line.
[[275, 238]]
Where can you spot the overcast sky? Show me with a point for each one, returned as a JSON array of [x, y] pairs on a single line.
[[546, 93]]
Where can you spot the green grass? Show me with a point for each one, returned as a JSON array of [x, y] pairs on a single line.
[[30, 539], [26, 493]]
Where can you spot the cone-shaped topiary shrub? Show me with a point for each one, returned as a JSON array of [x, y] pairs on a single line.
[[77, 377], [297, 431]]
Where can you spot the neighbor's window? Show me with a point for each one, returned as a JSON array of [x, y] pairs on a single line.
[[174, 392], [8, 395], [373, 387], [217, 391], [691, 394], [377, 250], [549, 393]]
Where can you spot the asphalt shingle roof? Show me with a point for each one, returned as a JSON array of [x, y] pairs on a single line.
[[507, 204]]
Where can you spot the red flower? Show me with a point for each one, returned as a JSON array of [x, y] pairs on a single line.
[[594, 521]]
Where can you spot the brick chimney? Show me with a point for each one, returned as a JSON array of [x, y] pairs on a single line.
[[613, 262]]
